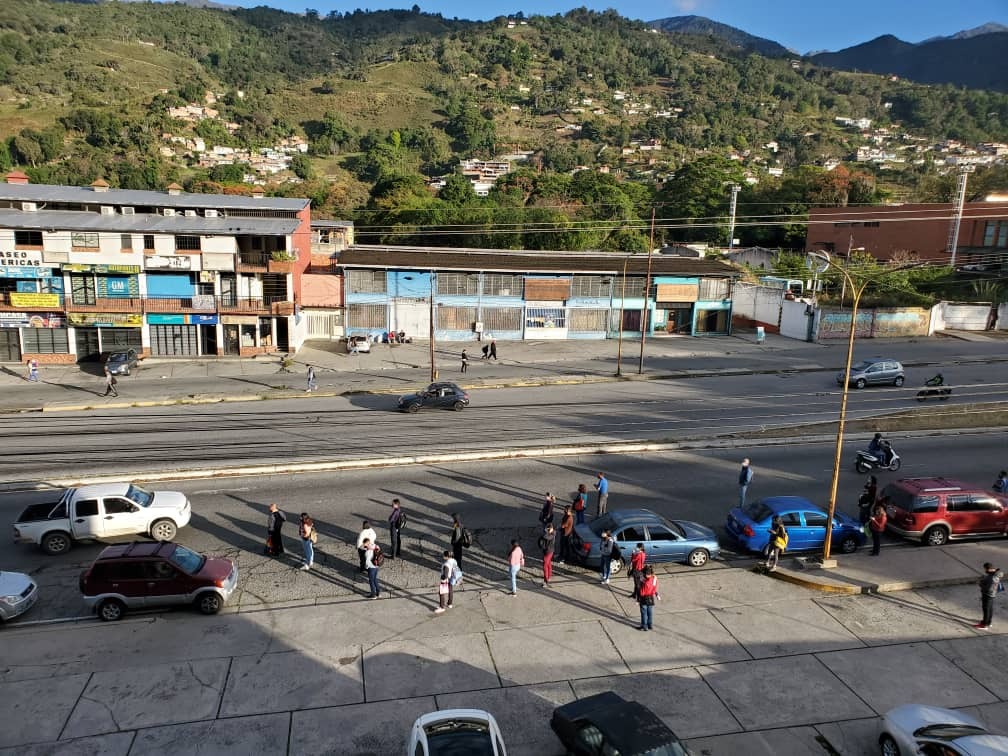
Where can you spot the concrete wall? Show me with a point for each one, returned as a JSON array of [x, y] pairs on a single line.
[[962, 316], [757, 305], [795, 319], [874, 323], [1002, 320]]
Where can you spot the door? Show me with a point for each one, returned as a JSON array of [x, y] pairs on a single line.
[[965, 514], [10, 345], [663, 544], [229, 290], [411, 316], [282, 335], [627, 539], [129, 580], [166, 585], [992, 516], [876, 373], [208, 338], [795, 530], [814, 532], [87, 344], [86, 522], [122, 517]]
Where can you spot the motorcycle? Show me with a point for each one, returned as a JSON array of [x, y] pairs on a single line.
[[935, 387], [866, 461]]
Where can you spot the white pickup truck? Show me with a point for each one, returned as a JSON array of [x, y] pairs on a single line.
[[99, 511]]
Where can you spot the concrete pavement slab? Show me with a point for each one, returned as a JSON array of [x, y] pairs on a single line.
[[903, 568], [985, 659], [854, 737], [34, 711], [682, 639], [292, 680], [523, 713], [783, 692], [159, 694], [874, 619], [792, 741], [681, 698], [547, 653], [114, 744], [957, 603], [566, 601], [375, 729], [264, 734], [913, 672], [994, 716], [416, 667], [784, 628]]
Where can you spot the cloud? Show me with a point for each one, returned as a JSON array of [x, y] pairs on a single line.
[[686, 6]]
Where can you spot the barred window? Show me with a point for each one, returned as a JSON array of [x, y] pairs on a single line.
[[366, 281], [456, 318], [713, 288], [45, 340], [591, 286], [459, 284], [501, 319], [87, 240], [545, 317], [191, 243], [27, 238], [587, 320], [502, 285], [634, 286], [371, 316]]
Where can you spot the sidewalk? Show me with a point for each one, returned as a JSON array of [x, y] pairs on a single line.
[[405, 367]]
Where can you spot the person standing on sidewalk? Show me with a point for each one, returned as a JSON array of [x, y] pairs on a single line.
[[777, 543], [457, 538], [396, 522], [366, 534], [647, 596], [546, 544], [371, 551], [990, 585], [493, 349], [33, 370], [580, 503], [546, 513], [308, 539], [877, 525], [110, 383], [605, 557], [636, 571], [516, 560], [602, 486], [744, 479], [566, 528], [311, 379], [450, 576], [274, 525], [465, 361]]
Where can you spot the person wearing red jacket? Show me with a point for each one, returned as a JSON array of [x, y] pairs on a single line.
[[636, 573]]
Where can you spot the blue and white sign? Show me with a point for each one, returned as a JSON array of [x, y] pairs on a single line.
[[117, 286], [24, 271]]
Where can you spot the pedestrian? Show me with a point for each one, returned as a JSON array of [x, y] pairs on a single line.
[[396, 522], [451, 575], [877, 525], [566, 529], [636, 571], [990, 586], [465, 361], [546, 543], [744, 479], [493, 349], [110, 383], [777, 543], [867, 500], [602, 486], [605, 557], [516, 560], [311, 379], [546, 513], [647, 596], [308, 539], [371, 561], [1001, 484], [457, 536], [274, 525], [366, 534], [580, 503], [486, 352], [33, 374]]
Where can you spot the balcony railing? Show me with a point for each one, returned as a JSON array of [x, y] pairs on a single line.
[[105, 304], [253, 262], [204, 303]]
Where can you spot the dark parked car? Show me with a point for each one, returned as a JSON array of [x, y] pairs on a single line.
[[120, 363], [803, 520], [664, 540], [440, 395], [143, 574], [607, 724]]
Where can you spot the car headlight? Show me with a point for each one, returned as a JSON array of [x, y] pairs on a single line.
[[10, 599]]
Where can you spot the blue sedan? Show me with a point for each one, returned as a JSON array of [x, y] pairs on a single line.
[[664, 540], [804, 521]]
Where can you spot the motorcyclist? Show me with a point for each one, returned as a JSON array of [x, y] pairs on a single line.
[[880, 448], [937, 380]]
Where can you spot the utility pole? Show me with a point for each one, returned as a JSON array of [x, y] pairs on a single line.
[[433, 367], [957, 211], [647, 294], [735, 189]]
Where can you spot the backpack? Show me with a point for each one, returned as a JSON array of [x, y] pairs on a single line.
[[466, 539], [377, 558], [456, 577], [313, 535], [401, 522]]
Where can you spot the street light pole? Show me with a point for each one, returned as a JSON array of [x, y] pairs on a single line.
[[647, 293], [433, 367], [619, 348]]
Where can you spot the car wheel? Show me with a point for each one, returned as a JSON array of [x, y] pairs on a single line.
[[921, 396], [458, 406], [615, 566], [55, 544], [888, 746], [899, 381], [848, 545], [896, 464], [413, 408], [163, 530], [697, 558], [209, 603], [111, 610], [861, 466], [936, 536], [860, 383], [944, 396]]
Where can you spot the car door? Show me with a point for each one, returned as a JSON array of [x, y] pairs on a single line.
[[122, 517], [627, 539], [166, 585], [129, 580], [962, 517], [794, 527], [813, 530], [994, 514], [87, 522], [875, 373], [665, 545]]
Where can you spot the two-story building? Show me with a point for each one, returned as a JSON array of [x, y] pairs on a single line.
[[87, 270]]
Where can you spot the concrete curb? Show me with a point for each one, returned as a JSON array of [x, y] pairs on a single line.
[[831, 585]]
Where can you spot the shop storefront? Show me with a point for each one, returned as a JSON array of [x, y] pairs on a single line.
[[188, 335], [89, 283], [34, 333], [98, 332]]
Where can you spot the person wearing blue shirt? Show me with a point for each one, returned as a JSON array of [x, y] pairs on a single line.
[[744, 479], [602, 486]]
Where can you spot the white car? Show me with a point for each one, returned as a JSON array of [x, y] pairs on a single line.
[[930, 730], [456, 732], [358, 344], [18, 593]]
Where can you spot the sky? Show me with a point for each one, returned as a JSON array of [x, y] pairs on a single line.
[[802, 25]]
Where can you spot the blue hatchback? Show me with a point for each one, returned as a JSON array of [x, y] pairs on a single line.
[[804, 521]]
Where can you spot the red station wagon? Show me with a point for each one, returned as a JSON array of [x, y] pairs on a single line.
[[937, 510]]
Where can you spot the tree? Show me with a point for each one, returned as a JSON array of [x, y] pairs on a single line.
[[698, 198], [458, 191], [229, 174], [301, 165]]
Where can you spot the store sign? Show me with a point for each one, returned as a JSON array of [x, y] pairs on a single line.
[[27, 299], [105, 320], [239, 320], [83, 268], [31, 320], [117, 286], [21, 258], [168, 262], [26, 271], [190, 319]]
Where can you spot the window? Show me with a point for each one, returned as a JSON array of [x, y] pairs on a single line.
[[126, 571], [923, 504], [84, 240], [458, 284], [118, 506], [960, 503], [713, 289], [45, 340], [501, 319], [159, 570], [790, 519], [190, 243], [586, 320], [983, 503], [661, 533], [366, 282], [148, 241], [545, 317], [82, 288], [630, 534], [87, 508], [368, 316], [126, 242], [501, 285], [456, 318], [27, 238], [815, 520], [591, 286]]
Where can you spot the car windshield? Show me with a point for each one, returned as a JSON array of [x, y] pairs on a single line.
[[187, 561], [117, 357], [861, 366], [605, 522], [139, 496], [949, 731], [459, 738], [757, 511]]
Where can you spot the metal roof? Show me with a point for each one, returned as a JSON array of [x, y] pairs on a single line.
[[79, 220], [444, 258], [319, 223], [138, 197]]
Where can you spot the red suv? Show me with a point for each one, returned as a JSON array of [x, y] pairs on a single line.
[[937, 510], [144, 574]]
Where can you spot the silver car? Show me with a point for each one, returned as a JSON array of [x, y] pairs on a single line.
[[18, 593], [874, 371], [917, 728]]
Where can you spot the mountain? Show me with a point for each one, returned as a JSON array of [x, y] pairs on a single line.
[[737, 38], [989, 28], [975, 61]]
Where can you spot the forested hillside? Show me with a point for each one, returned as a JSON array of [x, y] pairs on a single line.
[[387, 101]]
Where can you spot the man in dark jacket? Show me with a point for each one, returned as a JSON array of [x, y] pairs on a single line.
[[990, 584], [274, 524]]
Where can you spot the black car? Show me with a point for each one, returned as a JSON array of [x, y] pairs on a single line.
[[120, 363], [440, 395], [606, 723]]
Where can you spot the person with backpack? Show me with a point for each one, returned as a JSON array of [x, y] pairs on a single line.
[[366, 534], [647, 596], [373, 559], [1001, 484], [867, 500], [546, 543], [460, 539], [580, 503], [636, 571], [605, 557], [516, 560], [451, 576], [308, 539], [777, 543], [396, 521], [990, 586]]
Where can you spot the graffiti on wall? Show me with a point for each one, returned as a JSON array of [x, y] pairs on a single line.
[[874, 323]]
